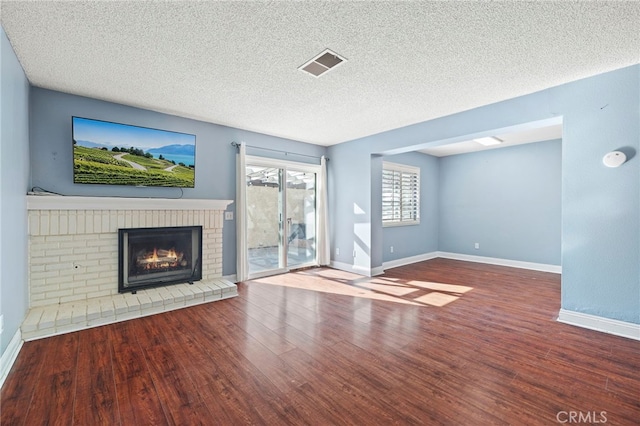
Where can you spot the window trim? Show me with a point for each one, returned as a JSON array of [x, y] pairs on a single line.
[[402, 168]]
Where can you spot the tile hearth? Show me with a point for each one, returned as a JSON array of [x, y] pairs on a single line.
[[45, 321]]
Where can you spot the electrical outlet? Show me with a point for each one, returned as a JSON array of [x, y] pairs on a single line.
[[228, 215], [354, 254], [337, 251], [477, 246], [391, 249], [1, 323]]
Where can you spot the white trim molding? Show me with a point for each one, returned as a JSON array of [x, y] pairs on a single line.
[[59, 202], [378, 270], [350, 268], [605, 325], [409, 260], [372, 272], [556, 269], [9, 356]]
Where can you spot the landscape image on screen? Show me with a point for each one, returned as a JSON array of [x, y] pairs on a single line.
[[120, 154]]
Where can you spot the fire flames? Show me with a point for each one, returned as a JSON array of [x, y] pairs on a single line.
[[161, 259]]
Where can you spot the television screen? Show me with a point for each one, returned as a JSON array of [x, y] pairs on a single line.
[[121, 154]]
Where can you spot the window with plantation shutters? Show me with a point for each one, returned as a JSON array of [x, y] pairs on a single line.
[[400, 194]]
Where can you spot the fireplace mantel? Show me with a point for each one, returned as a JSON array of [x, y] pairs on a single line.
[[58, 202]]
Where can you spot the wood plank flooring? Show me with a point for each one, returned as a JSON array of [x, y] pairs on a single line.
[[438, 342]]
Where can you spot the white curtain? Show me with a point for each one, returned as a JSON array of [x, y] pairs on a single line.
[[324, 256], [242, 261]]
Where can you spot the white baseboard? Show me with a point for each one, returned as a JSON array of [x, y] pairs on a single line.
[[409, 260], [9, 356], [360, 270], [446, 255], [594, 322], [378, 270], [556, 269]]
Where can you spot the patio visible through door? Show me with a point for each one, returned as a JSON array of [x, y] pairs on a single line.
[[281, 216]]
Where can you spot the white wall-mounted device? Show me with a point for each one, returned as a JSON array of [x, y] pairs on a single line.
[[614, 159]]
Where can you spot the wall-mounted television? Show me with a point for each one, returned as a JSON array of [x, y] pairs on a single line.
[[121, 154]]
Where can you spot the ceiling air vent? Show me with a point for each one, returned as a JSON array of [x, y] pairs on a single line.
[[322, 63]]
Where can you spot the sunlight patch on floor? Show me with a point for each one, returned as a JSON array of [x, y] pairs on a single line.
[[417, 293], [436, 298], [336, 273], [334, 287], [395, 289], [450, 288]]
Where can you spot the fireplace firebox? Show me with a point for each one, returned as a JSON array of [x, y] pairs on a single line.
[[151, 257]]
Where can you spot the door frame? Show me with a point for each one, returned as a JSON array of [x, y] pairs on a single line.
[[251, 160]]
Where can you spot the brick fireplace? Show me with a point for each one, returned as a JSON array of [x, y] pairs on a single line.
[[73, 260]]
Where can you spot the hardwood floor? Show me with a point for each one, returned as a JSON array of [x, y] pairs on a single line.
[[438, 342]]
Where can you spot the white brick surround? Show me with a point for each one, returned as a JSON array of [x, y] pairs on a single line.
[[73, 260]]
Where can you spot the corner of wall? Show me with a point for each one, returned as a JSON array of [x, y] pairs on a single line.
[[14, 181], [597, 323], [9, 356]]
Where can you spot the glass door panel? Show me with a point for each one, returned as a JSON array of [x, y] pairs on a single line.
[[301, 218], [264, 220]]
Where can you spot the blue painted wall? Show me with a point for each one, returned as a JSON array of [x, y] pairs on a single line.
[[349, 189], [377, 239], [508, 200], [14, 182], [600, 206], [419, 239], [51, 153]]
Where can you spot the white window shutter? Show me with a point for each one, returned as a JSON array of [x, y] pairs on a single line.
[[400, 194]]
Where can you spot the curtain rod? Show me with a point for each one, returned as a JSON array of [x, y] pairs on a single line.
[[237, 145]]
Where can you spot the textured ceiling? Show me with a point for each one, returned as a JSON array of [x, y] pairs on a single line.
[[236, 63]]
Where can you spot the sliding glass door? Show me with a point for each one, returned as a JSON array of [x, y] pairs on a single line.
[[281, 216], [264, 219], [301, 218]]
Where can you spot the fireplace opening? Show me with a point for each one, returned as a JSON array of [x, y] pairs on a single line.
[[150, 257]]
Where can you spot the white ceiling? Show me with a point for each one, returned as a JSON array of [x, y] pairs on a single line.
[[236, 63]]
